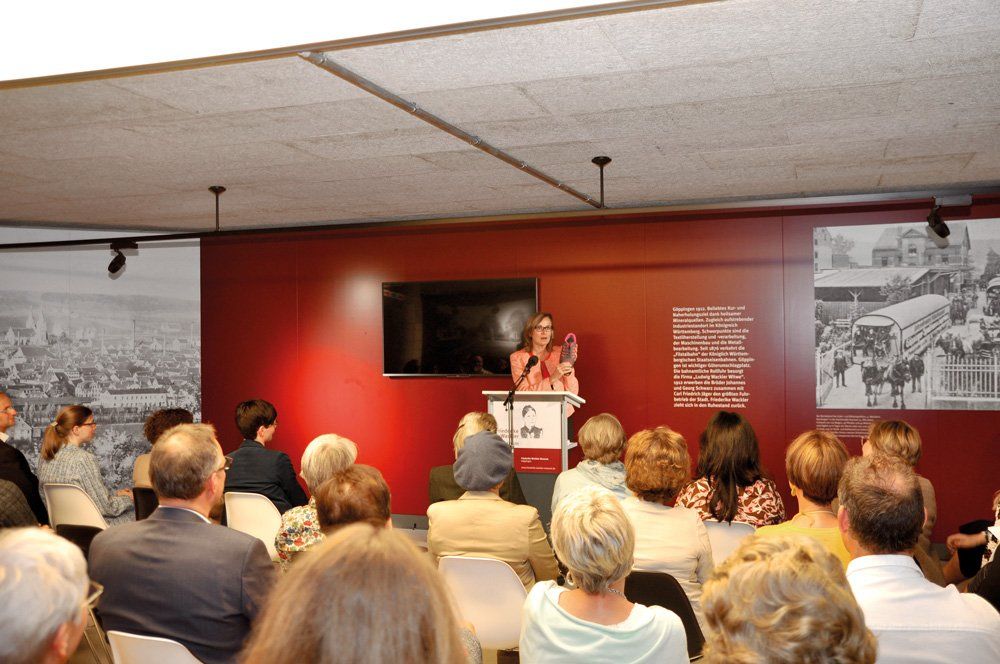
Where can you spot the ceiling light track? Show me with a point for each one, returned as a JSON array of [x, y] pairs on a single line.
[[323, 61]]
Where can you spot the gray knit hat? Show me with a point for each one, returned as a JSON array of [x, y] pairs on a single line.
[[484, 462]]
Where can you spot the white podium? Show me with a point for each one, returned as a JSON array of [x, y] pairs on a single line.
[[540, 434]]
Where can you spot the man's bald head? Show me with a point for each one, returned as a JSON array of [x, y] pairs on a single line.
[[885, 508], [183, 461]]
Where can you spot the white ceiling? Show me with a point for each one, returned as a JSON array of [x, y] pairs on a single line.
[[729, 100]]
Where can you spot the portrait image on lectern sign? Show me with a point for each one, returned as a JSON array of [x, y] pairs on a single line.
[[122, 345], [906, 319]]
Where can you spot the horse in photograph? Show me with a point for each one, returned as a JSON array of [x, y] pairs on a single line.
[[958, 312], [872, 375], [898, 376]]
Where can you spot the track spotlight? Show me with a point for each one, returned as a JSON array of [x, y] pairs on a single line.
[[937, 224], [118, 262]]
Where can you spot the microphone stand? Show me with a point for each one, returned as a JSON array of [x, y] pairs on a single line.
[[508, 403]]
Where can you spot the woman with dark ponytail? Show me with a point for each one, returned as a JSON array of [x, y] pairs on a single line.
[[64, 461], [730, 484]]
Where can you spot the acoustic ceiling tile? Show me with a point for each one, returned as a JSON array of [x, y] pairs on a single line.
[[800, 154], [961, 91], [282, 82], [390, 143], [944, 143], [940, 18], [939, 163], [79, 141], [480, 104]]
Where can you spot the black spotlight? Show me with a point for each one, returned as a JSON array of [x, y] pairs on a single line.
[[118, 262], [937, 224]]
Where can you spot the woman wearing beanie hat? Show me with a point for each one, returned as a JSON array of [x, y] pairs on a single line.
[[482, 524]]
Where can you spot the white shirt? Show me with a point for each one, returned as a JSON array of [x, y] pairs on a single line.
[[672, 540], [4, 437], [549, 633], [918, 622]]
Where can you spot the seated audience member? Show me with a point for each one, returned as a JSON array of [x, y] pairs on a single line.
[[593, 621], [973, 546], [481, 523], [897, 439], [323, 458], [176, 575], [814, 463], [154, 427], [881, 516], [14, 509], [986, 583], [64, 461], [44, 595], [365, 594], [783, 600], [14, 467], [357, 493], [257, 469], [667, 539], [442, 482], [730, 484], [602, 439]]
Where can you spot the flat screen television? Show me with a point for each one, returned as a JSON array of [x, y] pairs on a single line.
[[454, 328]]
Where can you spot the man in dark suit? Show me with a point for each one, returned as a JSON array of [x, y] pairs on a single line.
[[176, 575], [257, 469], [14, 467]]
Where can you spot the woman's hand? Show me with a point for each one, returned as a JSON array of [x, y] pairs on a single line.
[[564, 369], [963, 541]]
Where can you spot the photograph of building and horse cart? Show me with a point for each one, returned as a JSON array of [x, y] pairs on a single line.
[[906, 319]]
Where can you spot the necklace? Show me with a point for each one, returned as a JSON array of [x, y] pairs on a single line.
[[615, 591]]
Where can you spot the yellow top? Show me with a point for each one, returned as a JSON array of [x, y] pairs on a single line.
[[828, 537]]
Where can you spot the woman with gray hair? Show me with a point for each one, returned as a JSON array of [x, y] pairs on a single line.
[[323, 458], [594, 621], [44, 594]]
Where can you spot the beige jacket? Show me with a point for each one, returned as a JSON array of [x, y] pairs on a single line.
[[482, 524]]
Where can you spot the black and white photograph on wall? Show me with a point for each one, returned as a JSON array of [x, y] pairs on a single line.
[[906, 319], [122, 344]]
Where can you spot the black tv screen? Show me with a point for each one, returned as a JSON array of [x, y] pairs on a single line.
[[454, 328]]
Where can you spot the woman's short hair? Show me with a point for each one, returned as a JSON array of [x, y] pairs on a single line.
[[814, 463], [783, 600], [326, 456], [657, 464], [472, 423], [167, 418], [729, 457], [357, 493], [529, 326], [895, 438], [43, 582], [593, 537], [365, 594], [602, 438], [252, 415], [57, 432]]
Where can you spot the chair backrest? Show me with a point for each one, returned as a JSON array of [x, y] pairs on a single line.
[[661, 589], [135, 649], [82, 536], [69, 504], [255, 515], [489, 595], [725, 537], [145, 501]]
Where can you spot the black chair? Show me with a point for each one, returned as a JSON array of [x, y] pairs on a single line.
[[661, 589], [79, 535], [145, 501]]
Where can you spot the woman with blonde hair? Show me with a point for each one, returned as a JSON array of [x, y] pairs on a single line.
[[668, 539], [364, 595], [590, 619], [323, 458], [783, 600], [64, 461], [442, 484], [814, 463], [602, 439], [896, 438]]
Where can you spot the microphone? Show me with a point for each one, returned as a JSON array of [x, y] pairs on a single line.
[[532, 361]]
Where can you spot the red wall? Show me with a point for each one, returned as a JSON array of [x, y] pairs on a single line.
[[296, 319]]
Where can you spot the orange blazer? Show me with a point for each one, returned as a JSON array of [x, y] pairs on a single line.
[[534, 382]]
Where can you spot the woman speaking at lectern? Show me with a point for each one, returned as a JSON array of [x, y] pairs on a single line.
[[553, 371]]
